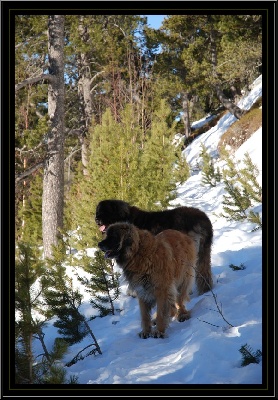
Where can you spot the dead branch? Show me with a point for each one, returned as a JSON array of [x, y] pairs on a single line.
[[36, 79], [29, 171]]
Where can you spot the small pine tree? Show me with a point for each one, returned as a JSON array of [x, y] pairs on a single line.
[[210, 176], [64, 301], [255, 218], [182, 170], [29, 290], [49, 369], [235, 203], [29, 272], [243, 190], [103, 285], [248, 179]]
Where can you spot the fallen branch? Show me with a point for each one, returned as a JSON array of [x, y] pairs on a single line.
[[215, 300]]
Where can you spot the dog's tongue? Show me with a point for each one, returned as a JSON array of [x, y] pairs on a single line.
[[102, 228]]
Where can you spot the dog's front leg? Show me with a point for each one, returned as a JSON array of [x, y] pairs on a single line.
[[145, 310], [162, 315]]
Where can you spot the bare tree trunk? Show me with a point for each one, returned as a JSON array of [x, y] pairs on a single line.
[[228, 104], [53, 180], [84, 90], [185, 116]]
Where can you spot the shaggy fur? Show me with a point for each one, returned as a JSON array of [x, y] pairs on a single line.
[[161, 269], [189, 220]]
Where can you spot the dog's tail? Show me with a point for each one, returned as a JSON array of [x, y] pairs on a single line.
[[203, 241]]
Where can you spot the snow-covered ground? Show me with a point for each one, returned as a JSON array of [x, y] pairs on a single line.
[[204, 349]]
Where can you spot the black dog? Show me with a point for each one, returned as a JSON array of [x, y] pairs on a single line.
[[189, 220]]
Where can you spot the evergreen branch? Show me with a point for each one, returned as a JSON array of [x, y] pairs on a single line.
[[248, 356]]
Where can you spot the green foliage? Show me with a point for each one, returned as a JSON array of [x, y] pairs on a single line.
[[30, 213], [22, 364], [155, 179], [48, 368], [210, 176], [236, 202], [112, 165], [243, 190], [125, 163], [249, 356], [248, 179], [45, 368], [63, 300], [30, 285], [182, 170], [103, 284], [255, 219]]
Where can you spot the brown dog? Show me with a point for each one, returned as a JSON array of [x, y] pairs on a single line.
[[189, 220], [161, 269]]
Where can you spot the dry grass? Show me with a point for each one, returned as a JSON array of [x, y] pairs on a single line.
[[238, 132], [243, 128]]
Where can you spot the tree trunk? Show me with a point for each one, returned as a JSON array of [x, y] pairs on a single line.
[[185, 116], [53, 180], [84, 91], [228, 104]]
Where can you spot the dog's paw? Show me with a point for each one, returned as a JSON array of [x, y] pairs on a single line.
[[144, 335], [183, 316], [157, 334]]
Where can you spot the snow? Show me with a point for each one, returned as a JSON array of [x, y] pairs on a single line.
[[204, 349]]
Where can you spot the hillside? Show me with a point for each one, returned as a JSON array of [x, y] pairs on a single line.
[[205, 349]]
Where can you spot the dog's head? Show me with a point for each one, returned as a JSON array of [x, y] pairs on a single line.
[[120, 241], [110, 211]]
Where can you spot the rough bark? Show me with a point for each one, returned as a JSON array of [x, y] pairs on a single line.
[[53, 180], [185, 116], [84, 91]]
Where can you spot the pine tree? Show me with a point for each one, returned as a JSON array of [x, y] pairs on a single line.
[[103, 285], [48, 367], [64, 301], [181, 170], [112, 167], [29, 286], [156, 181], [248, 179], [243, 190], [210, 176]]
